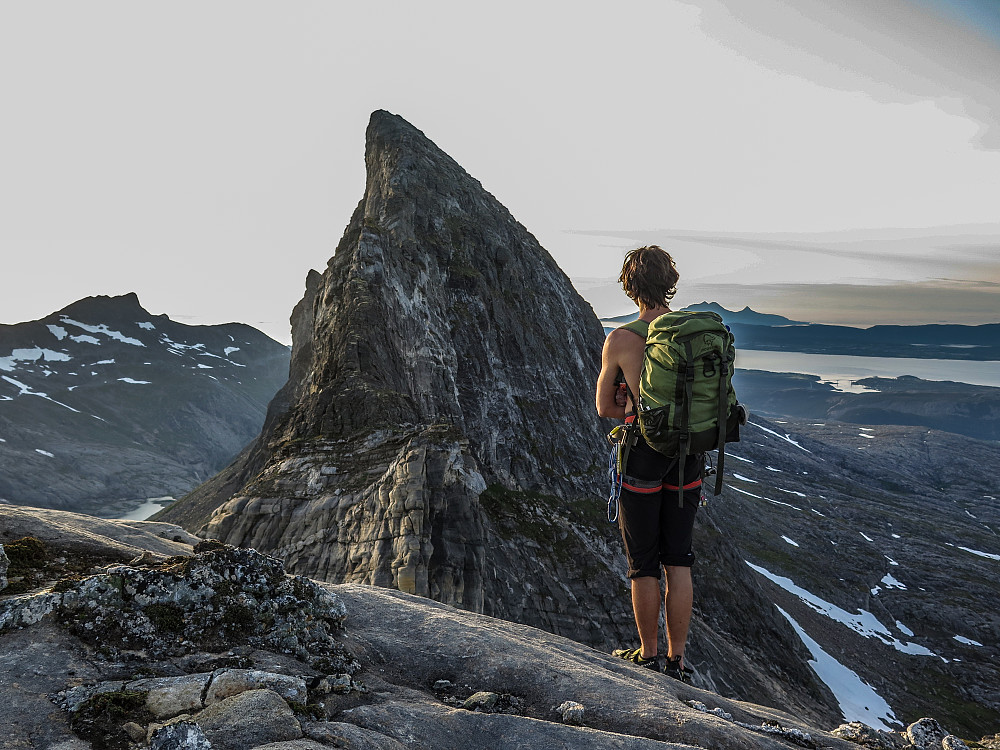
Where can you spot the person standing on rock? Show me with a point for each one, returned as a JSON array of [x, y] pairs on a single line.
[[656, 532]]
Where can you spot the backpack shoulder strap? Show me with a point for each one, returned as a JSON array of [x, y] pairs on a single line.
[[638, 327]]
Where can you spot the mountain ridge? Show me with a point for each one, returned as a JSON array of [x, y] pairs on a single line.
[[767, 332], [103, 404]]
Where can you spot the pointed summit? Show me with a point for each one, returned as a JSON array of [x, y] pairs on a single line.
[[447, 311], [442, 352]]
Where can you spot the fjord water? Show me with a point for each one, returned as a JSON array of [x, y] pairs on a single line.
[[842, 370]]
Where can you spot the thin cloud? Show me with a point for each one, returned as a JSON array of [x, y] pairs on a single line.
[[898, 53]]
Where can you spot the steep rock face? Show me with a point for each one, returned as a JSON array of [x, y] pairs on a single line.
[[428, 362], [437, 433]]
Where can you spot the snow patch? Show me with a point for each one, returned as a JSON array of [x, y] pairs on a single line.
[[745, 479], [759, 497], [45, 453], [102, 329], [230, 349], [870, 437], [857, 699], [987, 555], [786, 438], [866, 536], [31, 355], [85, 339], [146, 326], [896, 536], [164, 339], [25, 390], [58, 331], [135, 382], [892, 583], [791, 492], [903, 629], [863, 622], [966, 641], [790, 541], [738, 458]]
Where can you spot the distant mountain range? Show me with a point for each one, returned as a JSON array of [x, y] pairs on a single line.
[[103, 404], [754, 330]]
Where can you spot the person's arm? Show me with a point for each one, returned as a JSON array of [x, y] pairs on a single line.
[[607, 386]]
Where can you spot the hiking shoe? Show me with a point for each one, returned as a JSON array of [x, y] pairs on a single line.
[[634, 655], [673, 668]]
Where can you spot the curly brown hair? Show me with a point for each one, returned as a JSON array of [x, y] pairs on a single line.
[[649, 276]]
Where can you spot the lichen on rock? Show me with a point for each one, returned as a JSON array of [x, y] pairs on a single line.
[[219, 598]]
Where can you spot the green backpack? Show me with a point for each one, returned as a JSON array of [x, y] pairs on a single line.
[[686, 399]]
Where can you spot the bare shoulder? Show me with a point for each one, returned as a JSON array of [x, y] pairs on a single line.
[[622, 339], [622, 346]]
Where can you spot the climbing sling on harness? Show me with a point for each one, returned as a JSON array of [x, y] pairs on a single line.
[[621, 438]]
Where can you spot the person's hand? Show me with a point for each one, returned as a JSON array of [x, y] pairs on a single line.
[[621, 396]]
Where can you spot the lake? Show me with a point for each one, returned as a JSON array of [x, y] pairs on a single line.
[[842, 370], [148, 508]]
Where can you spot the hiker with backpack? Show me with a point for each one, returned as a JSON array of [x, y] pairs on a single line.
[[676, 369]]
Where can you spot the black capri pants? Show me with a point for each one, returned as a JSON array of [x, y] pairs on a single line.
[[654, 529]]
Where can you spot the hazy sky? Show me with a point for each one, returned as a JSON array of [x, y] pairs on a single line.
[[207, 154]]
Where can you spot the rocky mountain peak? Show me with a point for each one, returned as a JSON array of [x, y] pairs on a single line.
[[421, 319], [109, 307]]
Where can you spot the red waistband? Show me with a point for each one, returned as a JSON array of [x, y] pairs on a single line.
[[691, 486], [651, 490], [629, 418]]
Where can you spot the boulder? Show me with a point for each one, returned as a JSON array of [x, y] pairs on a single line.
[[256, 717], [229, 682], [875, 739], [926, 734], [342, 734], [482, 701], [167, 697], [182, 735], [571, 712]]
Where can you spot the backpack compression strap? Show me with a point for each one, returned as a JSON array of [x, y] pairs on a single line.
[[723, 403], [685, 437]]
